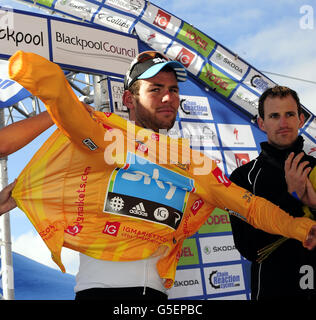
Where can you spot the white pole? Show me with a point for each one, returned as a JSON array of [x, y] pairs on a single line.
[[5, 234]]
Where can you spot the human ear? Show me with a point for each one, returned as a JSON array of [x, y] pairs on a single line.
[[260, 123], [128, 99], [302, 120]]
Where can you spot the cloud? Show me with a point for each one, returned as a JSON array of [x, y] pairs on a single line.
[[32, 246], [284, 48], [266, 34], [277, 44]]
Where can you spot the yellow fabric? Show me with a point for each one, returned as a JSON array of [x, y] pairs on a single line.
[[72, 195], [267, 250], [312, 178]]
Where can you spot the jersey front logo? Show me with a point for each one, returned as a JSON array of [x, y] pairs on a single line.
[[145, 190]]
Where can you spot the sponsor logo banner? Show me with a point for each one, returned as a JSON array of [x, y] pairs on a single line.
[[27, 33], [258, 82], [76, 45], [188, 58], [246, 99], [78, 8], [236, 135], [131, 6], [222, 279], [161, 19], [196, 40], [187, 283], [235, 159], [189, 253], [151, 36], [114, 20], [200, 134], [218, 249], [194, 107], [229, 63], [217, 80]]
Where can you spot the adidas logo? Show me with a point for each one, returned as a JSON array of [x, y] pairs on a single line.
[[139, 209]]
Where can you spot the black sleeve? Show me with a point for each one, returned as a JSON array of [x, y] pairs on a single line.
[[248, 240]]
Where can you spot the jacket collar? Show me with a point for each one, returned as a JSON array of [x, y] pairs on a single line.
[[271, 153]]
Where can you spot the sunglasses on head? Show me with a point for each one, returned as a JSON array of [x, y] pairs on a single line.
[[141, 58], [145, 56], [148, 55]]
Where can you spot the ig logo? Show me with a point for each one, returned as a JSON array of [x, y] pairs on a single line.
[[112, 228], [162, 19]]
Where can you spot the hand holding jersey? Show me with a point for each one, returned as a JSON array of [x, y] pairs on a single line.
[[7, 203]]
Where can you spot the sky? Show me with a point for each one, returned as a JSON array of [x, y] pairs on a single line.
[[273, 36]]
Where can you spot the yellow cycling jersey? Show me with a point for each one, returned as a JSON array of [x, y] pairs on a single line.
[[114, 191]]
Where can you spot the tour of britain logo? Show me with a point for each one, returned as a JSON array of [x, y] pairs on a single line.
[[147, 191]]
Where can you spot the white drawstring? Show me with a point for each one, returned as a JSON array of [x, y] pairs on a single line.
[[146, 276]]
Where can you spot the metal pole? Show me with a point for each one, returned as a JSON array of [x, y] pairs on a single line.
[[101, 94], [5, 233]]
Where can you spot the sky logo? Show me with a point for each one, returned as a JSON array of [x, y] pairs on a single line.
[[145, 179], [148, 191]]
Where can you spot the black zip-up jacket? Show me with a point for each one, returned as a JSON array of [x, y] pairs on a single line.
[[281, 274]]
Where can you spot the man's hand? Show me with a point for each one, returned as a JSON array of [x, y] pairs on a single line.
[[310, 241], [296, 175], [7, 203]]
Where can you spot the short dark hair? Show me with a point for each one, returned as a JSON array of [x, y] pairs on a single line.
[[278, 91]]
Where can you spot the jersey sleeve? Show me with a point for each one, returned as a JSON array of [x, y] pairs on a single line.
[[259, 212], [47, 81]]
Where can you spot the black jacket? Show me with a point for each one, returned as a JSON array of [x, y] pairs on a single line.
[[278, 276]]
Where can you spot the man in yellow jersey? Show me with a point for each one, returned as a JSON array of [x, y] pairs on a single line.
[[152, 97], [128, 219]]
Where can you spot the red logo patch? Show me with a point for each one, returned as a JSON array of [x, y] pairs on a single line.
[[220, 176], [162, 19], [241, 158], [73, 230], [185, 57], [111, 228], [197, 205]]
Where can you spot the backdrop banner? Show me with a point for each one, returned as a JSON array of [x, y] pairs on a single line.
[[219, 104]]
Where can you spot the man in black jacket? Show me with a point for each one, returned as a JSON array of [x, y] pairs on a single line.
[[278, 268]]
